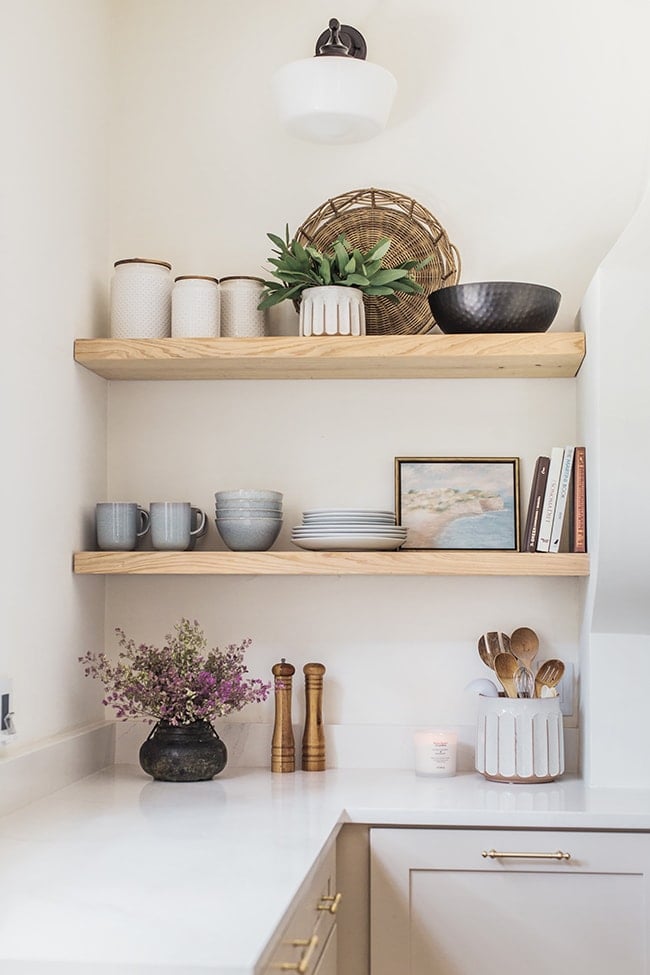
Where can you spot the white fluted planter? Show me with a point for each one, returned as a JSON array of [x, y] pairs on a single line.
[[332, 310], [520, 739]]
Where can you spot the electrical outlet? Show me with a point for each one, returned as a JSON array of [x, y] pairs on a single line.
[[5, 700], [6, 710], [566, 690]]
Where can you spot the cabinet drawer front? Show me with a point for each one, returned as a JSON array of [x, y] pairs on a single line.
[[464, 901], [306, 930]]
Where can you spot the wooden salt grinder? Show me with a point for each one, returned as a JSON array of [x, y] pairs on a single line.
[[313, 739], [283, 750]]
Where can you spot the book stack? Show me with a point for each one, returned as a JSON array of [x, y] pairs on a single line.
[[556, 520]]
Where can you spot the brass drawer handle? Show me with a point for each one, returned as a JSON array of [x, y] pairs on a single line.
[[495, 854], [301, 966], [332, 903]]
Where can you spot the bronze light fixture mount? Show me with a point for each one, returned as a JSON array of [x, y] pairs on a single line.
[[341, 40]]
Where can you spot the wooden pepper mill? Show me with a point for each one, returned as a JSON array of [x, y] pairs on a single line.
[[313, 739], [283, 750]]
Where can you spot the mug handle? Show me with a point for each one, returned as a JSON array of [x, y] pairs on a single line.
[[144, 521], [199, 516]]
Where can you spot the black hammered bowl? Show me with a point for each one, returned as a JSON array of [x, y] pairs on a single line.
[[494, 306]]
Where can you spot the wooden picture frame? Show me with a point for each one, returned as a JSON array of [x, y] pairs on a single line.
[[458, 503]]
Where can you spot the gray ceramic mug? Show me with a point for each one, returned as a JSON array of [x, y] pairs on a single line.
[[175, 525], [119, 525]]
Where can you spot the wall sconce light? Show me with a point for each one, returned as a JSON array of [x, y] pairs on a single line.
[[336, 96]]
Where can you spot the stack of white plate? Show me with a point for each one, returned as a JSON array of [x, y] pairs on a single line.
[[348, 529]]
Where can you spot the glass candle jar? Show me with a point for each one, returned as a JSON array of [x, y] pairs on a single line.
[[141, 299], [240, 297], [195, 307], [435, 752]]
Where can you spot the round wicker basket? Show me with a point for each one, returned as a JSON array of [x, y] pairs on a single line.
[[364, 217]]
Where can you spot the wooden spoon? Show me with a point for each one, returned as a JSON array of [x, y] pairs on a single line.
[[549, 675], [524, 643], [490, 644], [506, 666]]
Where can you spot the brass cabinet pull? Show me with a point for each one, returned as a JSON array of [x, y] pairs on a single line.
[[300, 966], [495, 854], [332, 903]]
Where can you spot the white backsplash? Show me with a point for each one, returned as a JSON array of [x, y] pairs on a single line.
[[347, 746]]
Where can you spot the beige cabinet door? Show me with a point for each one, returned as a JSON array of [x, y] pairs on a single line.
[[492, 902], [327, 964]]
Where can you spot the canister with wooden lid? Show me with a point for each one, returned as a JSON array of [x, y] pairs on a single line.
[[240, 297], [195, 307], [141, 299]]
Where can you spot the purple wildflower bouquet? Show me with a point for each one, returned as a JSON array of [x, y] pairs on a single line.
[[180, 682]]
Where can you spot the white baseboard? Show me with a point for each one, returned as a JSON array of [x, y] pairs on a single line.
[[29, 773]]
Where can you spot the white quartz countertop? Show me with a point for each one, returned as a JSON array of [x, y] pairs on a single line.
[[120, 874]]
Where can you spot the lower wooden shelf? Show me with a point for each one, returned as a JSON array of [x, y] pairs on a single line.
[[400, 563]]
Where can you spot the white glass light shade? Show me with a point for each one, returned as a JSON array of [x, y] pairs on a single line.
[[334, 99]]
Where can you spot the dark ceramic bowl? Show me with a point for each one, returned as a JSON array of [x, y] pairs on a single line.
[[494, 306]]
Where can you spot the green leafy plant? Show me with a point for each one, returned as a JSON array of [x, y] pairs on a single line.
[[296, 267]]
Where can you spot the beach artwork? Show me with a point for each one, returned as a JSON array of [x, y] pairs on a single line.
[[458, 503]]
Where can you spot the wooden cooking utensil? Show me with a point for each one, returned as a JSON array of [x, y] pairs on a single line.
[[524, 643], [549, 675], [506, 666], [490, 644]]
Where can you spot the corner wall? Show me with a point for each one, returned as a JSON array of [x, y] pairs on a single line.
[[532, 157], [54, 57], [616, 636]]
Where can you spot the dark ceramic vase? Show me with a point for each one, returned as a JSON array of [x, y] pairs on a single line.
[[183, 753]]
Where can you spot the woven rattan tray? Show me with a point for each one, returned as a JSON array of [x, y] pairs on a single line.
[[364, 217]]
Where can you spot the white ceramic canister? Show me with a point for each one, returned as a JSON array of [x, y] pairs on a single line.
[[141, 299], [195, 307], [520, 739], [332, 310], [240, 297]]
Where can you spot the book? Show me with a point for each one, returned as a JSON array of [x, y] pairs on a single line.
[[533, 515], [579, 514], [562, 499], [550, 498]]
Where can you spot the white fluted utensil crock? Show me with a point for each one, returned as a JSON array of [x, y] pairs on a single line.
[[520, 739]]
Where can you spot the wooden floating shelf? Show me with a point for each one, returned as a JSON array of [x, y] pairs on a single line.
[[405, 563], [544, 355]]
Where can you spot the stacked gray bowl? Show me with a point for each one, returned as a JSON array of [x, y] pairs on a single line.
[[247, 520]]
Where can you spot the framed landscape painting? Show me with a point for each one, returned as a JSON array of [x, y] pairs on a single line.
[[458, 502]]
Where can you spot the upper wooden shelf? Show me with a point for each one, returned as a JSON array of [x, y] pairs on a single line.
[[545, 355], [404, 563]]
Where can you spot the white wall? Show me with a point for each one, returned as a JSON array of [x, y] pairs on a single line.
[[614, 401], [53, 255], [520, 129], [517, 126]]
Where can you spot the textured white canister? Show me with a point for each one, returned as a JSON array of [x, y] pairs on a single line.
[[240, 297], [141, 299], [520, 739], [332, 310], [195, 307]]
